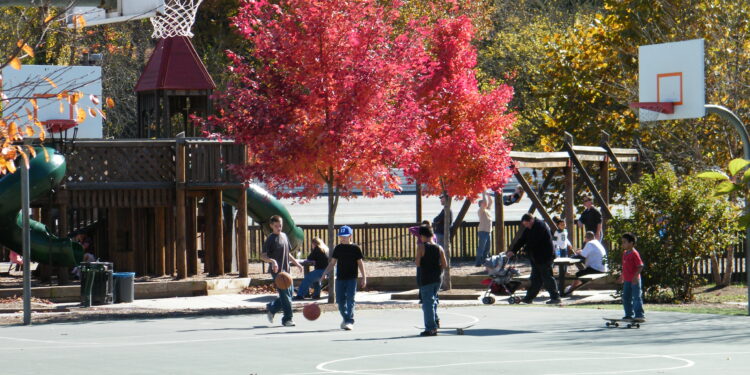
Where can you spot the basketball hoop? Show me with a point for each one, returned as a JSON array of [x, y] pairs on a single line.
[[651, 110], [62, 128], [177, 19]]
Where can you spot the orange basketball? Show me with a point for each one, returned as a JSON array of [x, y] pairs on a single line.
[[283, 280], [311, 311]]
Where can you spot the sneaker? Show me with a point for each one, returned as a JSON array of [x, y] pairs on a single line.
[[437, 323], [289, 323], [298, 298], [269, 314], [639, 320], [343, 325], [568, 289], [429, 333], [554, 301], [348, 326], [627, 318]]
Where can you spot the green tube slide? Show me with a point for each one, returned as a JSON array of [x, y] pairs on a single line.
[[261, 205], [46, 248]]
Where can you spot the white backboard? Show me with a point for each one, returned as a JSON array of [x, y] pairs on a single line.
[[126, 10], [45, 83], [672, 72]]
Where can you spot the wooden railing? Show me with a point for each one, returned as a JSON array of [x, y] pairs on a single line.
[[150, 164]]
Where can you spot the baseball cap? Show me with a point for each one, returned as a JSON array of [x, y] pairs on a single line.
[[345, 231]]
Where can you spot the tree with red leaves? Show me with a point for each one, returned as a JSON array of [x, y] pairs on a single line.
[[325, 102], [463, 146]]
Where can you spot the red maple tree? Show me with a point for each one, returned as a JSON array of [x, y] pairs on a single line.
[[325, 101], [463, 150]]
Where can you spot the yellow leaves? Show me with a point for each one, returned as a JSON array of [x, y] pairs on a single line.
[[51, 83], [80, 115], [79, 22], [49, 17], [28, 131], [15, 63], [92, 112], [110, 103], [26, 48]]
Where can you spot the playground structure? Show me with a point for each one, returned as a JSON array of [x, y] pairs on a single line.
[[124, 193]]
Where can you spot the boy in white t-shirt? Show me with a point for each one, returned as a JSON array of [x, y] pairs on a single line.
[[560, 239], [595, 256]]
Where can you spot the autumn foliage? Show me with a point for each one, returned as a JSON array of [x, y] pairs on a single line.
[[463, 130], [322, 100]]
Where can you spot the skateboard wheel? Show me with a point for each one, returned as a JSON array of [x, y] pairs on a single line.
[[460, 331], [617, 325], [637, 325], [608, 324]]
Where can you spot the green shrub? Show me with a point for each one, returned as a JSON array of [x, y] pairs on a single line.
[[678, 221]]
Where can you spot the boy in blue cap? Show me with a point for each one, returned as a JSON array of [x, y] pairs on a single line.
[[347, 258]]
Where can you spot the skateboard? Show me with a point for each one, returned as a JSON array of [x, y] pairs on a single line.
[[614, 323], [459, 330]]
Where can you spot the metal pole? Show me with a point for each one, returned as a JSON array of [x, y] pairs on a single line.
[[731, 118], [26, 244]]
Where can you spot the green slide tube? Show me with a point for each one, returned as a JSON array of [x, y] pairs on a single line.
[[261, 205], [46, 248]]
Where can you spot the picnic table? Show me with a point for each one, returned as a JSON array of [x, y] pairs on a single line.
[[562, 269]]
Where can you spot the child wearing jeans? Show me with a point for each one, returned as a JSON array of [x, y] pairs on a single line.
[[632, 265]]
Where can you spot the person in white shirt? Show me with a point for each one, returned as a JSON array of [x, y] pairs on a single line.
[[596, 260]]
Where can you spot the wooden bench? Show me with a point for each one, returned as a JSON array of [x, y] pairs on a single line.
[[591, 277]]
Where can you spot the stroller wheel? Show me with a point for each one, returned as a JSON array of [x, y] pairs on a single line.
[[511, 300], [488, 300]]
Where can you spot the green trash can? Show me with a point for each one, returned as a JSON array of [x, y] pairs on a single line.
[[96, 283], [124, 286]]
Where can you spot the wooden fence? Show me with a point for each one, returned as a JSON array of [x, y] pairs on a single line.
[[393, 242]]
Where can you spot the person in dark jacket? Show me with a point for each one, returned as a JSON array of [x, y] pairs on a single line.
[[537, 240]]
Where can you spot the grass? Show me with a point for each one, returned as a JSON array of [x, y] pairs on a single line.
[[684, 308]]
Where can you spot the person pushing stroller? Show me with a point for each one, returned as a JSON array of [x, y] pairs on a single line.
[[537, 240]]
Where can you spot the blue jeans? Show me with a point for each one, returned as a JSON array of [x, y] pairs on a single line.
[[312, 277], [632, 300], [345, 291], [429, 305], [283, 302], [483, 247]]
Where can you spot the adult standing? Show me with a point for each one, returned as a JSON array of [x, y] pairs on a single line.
[[591, 218], [431, 262], [275, 251], [537, 240], [438, 223], [347, 258], [484, 232]]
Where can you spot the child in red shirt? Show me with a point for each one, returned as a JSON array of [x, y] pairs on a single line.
[[632, 265]]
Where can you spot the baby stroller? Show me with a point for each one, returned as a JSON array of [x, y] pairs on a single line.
[[501, 271]]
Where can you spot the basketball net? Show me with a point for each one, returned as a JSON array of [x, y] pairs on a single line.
[[177, 19]]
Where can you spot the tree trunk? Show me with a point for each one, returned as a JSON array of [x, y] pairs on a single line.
[[715, 271], [447, 285], [729, 268], [333, 201]]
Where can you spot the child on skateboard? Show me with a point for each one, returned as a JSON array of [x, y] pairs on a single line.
[[632, 265], [431, 262]]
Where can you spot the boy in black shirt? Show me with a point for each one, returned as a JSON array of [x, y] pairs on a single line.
[[347, 257], [431, 262]]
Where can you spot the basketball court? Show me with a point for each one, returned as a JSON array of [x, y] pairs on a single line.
[[504, 339]]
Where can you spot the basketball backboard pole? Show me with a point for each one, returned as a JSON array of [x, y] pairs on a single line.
[[735, 121]]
